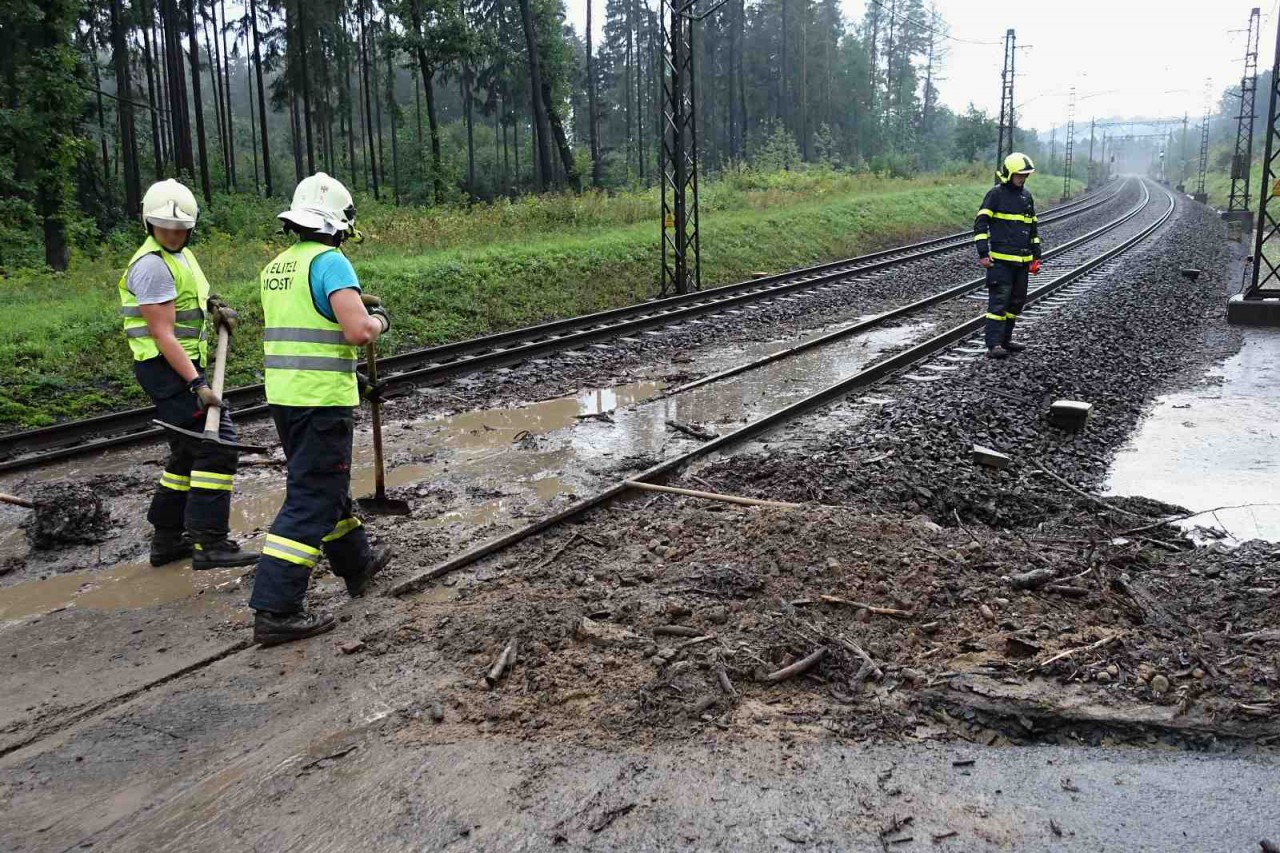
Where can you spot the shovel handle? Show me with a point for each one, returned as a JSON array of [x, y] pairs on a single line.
[[16, 501], [375, 411], [214, 414]]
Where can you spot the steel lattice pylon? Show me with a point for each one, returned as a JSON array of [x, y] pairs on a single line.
[[1071, 138], [681, 247], [1242, 160], [1266, 267], [1200, 195], [1004, 144]]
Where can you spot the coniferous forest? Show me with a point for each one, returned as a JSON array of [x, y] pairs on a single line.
[[426, 102]]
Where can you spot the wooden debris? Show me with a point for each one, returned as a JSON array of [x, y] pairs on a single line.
[[722, 677], [555, 555], [870, 608], [710, 496], [800, 667], [1067, 590], [693, 430], [1081, 492], [1106, 641], [502, 665], [676, 631], [868, 664], [605, 634], [1033, 579]]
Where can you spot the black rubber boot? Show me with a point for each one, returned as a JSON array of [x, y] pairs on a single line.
[[997, 352], [272, 629], [220, 554], [169, 546], [357, 585], [1008, 343]]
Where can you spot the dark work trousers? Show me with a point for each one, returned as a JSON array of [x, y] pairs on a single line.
[[194, 492], [317, 514], [1006, 295]]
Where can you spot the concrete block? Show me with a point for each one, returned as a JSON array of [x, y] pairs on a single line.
[[1070, 414], [990, 458], [1203, 198], [1253, 312]]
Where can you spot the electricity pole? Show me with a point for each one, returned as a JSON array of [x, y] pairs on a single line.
[[1004, 144], [1258, 304], [1242, 161], [1071, 138]]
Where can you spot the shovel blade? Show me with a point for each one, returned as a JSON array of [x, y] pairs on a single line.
[[374, 505]]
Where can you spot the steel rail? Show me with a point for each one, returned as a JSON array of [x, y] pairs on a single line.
[[869, 376], [447, 361]]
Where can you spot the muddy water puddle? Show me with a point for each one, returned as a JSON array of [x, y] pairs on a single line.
[[1217, 445], [478, 469], [127, 586]]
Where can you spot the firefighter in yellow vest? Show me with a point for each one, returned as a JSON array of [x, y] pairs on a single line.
[[164, 305], [315, 321]]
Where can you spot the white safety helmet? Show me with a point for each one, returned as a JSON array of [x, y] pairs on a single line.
[[170, 205], [321, 203]]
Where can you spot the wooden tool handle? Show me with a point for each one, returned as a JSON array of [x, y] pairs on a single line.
[[16, 501], [375, 410], [214, 415]]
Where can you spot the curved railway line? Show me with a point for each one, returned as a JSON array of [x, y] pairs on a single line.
[[33, 448]]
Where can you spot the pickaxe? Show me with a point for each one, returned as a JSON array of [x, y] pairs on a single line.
[[213, 417]]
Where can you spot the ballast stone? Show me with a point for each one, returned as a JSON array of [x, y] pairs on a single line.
[[1070, 415], [990, 458]]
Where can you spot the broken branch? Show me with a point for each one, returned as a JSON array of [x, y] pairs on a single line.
[[800, 667], [870, 608]]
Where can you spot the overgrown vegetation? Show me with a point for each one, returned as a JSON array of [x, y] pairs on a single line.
[[451, 273]]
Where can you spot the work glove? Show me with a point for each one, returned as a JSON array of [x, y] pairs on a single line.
[[373, 305], [371, 391], [208, 399], [1034, 269], [221, 314], [985, 263]]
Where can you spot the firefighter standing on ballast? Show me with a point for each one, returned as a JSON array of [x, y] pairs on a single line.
[[1008, 243]]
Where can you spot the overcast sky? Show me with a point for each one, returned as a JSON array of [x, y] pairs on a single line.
[[1126, 57]]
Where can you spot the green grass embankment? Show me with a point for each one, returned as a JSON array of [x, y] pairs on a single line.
[[63, 356]]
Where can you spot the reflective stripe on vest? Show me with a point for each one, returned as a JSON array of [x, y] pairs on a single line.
[[189, 314], [307, 360]]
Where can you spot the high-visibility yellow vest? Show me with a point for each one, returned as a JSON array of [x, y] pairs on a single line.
[[307, 360], [188, 306]]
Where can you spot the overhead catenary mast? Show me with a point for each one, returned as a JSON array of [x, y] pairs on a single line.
[[1242, 160], [1004, 143]]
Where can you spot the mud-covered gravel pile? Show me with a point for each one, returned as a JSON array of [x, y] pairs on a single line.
[[655, 620], [67, 514], [670, 355], [939, 599]]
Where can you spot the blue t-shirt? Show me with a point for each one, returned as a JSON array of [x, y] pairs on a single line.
[[330, 273]]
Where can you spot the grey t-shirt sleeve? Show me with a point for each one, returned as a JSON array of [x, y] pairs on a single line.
[[150, 281]]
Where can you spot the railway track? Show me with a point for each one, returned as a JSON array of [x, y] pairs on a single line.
[[1061, 287], [1067, 283], [33, 448]]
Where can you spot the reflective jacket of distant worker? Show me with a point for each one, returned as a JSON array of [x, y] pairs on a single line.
[[1005, 228]]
